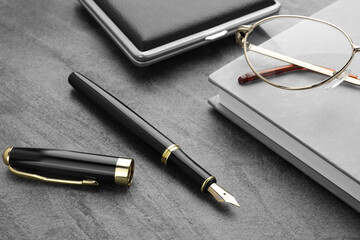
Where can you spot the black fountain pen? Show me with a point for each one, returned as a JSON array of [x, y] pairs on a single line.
[[171, 153], [68, 167]]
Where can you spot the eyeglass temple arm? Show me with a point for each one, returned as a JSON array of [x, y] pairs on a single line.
[[250, 76], [295, 65]]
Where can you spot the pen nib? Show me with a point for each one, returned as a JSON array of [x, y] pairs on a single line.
[[221, 195]]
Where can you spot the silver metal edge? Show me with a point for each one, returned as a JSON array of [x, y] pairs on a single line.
[[145, 58]]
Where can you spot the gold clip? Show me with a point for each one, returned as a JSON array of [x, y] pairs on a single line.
[[52, 180], [6, 159]]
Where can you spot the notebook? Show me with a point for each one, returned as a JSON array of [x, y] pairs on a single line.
[[316, 130], [149, 31]]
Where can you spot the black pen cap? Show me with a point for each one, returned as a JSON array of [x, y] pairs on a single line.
[[69, 167]]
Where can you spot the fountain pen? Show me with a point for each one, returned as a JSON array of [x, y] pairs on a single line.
[[170, 152], [68, 167]]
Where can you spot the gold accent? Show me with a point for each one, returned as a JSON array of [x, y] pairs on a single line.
[[221, 195], [6, 156], [206, 182], [167, 153], [243, 33], [52, 180], [357, 48], [124, 171]]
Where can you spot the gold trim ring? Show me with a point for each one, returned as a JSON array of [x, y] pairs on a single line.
[[124, 171], [167, 153], [206, 182]]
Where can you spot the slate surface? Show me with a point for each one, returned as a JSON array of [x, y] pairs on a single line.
[[41, 42]]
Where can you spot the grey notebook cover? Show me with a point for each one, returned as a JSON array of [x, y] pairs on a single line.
[[317, 130]]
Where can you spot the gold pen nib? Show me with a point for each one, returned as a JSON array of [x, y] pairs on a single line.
[[221, 195]]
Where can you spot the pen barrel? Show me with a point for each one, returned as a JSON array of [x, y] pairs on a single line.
[[142, 128], [120, 111], [200, 176], [68, 165]]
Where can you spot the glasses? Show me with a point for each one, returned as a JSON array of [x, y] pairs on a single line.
[[310, 53]]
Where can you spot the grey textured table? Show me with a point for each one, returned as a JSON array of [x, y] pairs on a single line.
[[41, 42]]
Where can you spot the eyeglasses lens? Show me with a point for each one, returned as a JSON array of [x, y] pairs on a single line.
[[306, 54]]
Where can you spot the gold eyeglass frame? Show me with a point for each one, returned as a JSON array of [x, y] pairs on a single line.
[[244, 31]]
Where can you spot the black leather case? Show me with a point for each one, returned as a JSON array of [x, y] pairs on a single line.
[[152, 24]]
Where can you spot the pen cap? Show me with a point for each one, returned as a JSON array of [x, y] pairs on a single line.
[[69, 167]]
